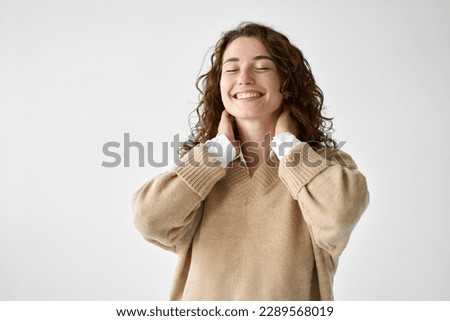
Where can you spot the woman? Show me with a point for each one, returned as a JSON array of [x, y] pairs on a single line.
[[262, 204]]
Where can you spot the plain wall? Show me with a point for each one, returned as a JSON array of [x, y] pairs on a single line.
[[75, 75]]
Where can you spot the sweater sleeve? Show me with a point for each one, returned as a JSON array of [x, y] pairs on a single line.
[[331, 192], [168, 208]]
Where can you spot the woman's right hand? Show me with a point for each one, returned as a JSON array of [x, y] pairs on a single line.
[[226, 127]]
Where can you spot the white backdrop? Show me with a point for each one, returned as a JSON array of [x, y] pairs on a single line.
[[77, 74]]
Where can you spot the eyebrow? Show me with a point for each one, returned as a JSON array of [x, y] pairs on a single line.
[[260, 57]]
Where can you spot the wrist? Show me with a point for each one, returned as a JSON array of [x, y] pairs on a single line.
[[221, 148], [283, 142]]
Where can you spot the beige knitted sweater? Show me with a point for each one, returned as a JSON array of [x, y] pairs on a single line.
[[276, 235]]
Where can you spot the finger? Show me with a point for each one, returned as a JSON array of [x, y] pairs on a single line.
[[284, 116], [227, 117]]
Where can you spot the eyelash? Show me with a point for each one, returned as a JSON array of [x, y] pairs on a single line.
[[257, 69]]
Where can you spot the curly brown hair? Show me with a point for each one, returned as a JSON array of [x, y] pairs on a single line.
[[300, 92]]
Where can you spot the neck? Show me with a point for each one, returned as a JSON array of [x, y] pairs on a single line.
[[254, 131], [255, 137]]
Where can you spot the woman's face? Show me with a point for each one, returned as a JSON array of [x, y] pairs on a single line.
[[250, 83]]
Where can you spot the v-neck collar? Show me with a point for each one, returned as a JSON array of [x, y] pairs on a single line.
[[248, 186]]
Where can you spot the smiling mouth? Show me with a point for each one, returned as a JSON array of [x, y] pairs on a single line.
[[247, 95]]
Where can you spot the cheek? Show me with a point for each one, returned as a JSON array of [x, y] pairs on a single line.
[[224, 91], [276, 96], [274, 83], [275, 89]]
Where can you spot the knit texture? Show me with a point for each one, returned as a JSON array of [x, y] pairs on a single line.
[[276, 235]]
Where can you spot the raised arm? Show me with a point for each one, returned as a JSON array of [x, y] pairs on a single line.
[[331, 192], [168, 208]]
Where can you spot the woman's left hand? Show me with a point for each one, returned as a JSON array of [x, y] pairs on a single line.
[[286, 123]]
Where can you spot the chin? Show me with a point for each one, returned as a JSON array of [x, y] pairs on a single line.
[[244, 114], [251, 113]]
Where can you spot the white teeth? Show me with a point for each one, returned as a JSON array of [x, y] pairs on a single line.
[[247, 95]]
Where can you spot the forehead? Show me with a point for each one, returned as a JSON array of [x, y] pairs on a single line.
[[245, 47]]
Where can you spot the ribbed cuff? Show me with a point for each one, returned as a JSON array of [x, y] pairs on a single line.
[[300, 166], [200, 170]]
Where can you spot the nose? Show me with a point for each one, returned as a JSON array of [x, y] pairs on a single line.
[[245, 77]]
